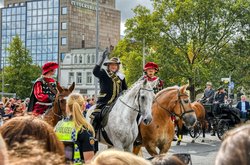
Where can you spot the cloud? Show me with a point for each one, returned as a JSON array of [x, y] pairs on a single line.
[[126, 6]]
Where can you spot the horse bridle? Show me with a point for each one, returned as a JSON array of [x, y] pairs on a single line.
[[59, 108], [183, 112], [134, 109]]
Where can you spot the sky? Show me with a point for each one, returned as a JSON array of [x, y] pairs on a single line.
[[125, 6]]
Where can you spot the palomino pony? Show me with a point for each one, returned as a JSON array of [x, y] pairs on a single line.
[[172, 101], [58, 111], [201, 117], [121, 127]]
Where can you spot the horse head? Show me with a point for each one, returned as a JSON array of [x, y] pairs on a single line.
[[145, 99], [176, 102], [61, 97]]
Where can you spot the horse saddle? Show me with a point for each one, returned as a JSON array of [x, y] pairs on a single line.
[[105, 114]]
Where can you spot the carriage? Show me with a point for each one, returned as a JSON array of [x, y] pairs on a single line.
[[220, 118]]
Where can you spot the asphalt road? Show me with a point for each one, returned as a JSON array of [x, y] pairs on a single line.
[[202, 153]]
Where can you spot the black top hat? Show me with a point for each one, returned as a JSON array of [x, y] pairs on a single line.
[[113, 60]]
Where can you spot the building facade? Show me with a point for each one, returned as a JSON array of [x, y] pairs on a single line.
[[52, 28], [77, 66]]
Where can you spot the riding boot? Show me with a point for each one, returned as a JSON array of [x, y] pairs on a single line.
[[138, 140]]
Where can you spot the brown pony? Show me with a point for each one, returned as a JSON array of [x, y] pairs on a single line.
[[201, 117], [172, 101], [58, 111]]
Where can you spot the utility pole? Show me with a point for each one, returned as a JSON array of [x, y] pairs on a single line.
[[3, 77], [97, 44], [143, 54]]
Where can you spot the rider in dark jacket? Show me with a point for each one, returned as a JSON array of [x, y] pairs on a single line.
[[208, 94], [112, 83]]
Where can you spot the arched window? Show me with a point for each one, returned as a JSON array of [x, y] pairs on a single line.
[[80, 59], [93, 59], [88, 59], [75, 59]]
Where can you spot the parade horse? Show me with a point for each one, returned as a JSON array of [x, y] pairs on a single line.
[[171, 101], [58, 110], [122, 127], [201, 124]]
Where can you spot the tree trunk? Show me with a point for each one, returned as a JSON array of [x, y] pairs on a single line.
[[191, 89]]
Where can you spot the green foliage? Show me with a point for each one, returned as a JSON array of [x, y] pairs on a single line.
[[194, 41], [20, 71]]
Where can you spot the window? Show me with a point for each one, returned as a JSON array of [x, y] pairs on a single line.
[[93, 59], [64, 10], [79, 77], [64, 40], [10, 5], [16, 4], [89, 78], [71, 77], [80, 59], [22, 4], [75, 59], [88, 59], [64, 26], [62, 56]]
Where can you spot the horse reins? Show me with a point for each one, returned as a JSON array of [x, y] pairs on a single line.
[[134, 109], [181, 106]]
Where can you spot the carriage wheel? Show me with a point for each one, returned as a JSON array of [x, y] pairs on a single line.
[[195, 131], [222, 127]]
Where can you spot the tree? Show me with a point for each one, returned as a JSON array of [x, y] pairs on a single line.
[[20, 72], [191, 39]]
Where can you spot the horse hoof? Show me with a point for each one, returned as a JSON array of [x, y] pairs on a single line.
[[192, 141], [178, 143], [202, 140]]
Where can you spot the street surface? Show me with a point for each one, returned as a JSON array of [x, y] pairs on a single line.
[[202, 153]]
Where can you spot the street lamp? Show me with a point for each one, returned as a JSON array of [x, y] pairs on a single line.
[[3, 76], [97, 44]]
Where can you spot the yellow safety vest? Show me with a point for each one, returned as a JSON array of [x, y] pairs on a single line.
[[65, 131]]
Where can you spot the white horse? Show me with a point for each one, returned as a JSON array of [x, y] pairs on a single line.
[[122, 128]]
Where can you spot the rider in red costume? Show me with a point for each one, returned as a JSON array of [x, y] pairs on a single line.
[[44, 90], [150, 70]]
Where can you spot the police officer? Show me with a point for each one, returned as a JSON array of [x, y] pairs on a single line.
[[76, 133], [112, 83]]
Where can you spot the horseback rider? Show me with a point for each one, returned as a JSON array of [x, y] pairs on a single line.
[[44, 90], [112, 83], [151, 69]]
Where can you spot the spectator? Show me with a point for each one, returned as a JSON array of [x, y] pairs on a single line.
[[243, 106], [76, 132], [3, 152], [31, 152], [220, 95], [235, 147], [23, 128], [208, 97], [8, 109], [115, 157], [163, 159]]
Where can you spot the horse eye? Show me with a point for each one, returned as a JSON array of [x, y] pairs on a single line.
[[186, 101], [143, 97]]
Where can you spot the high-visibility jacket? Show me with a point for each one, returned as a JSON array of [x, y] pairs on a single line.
[[66, 131]]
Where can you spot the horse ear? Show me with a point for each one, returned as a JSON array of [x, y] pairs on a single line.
[[183, 88], [59, 88], [72, 87]]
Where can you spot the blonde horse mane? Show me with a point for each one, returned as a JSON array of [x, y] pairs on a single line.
[[182, 89]]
